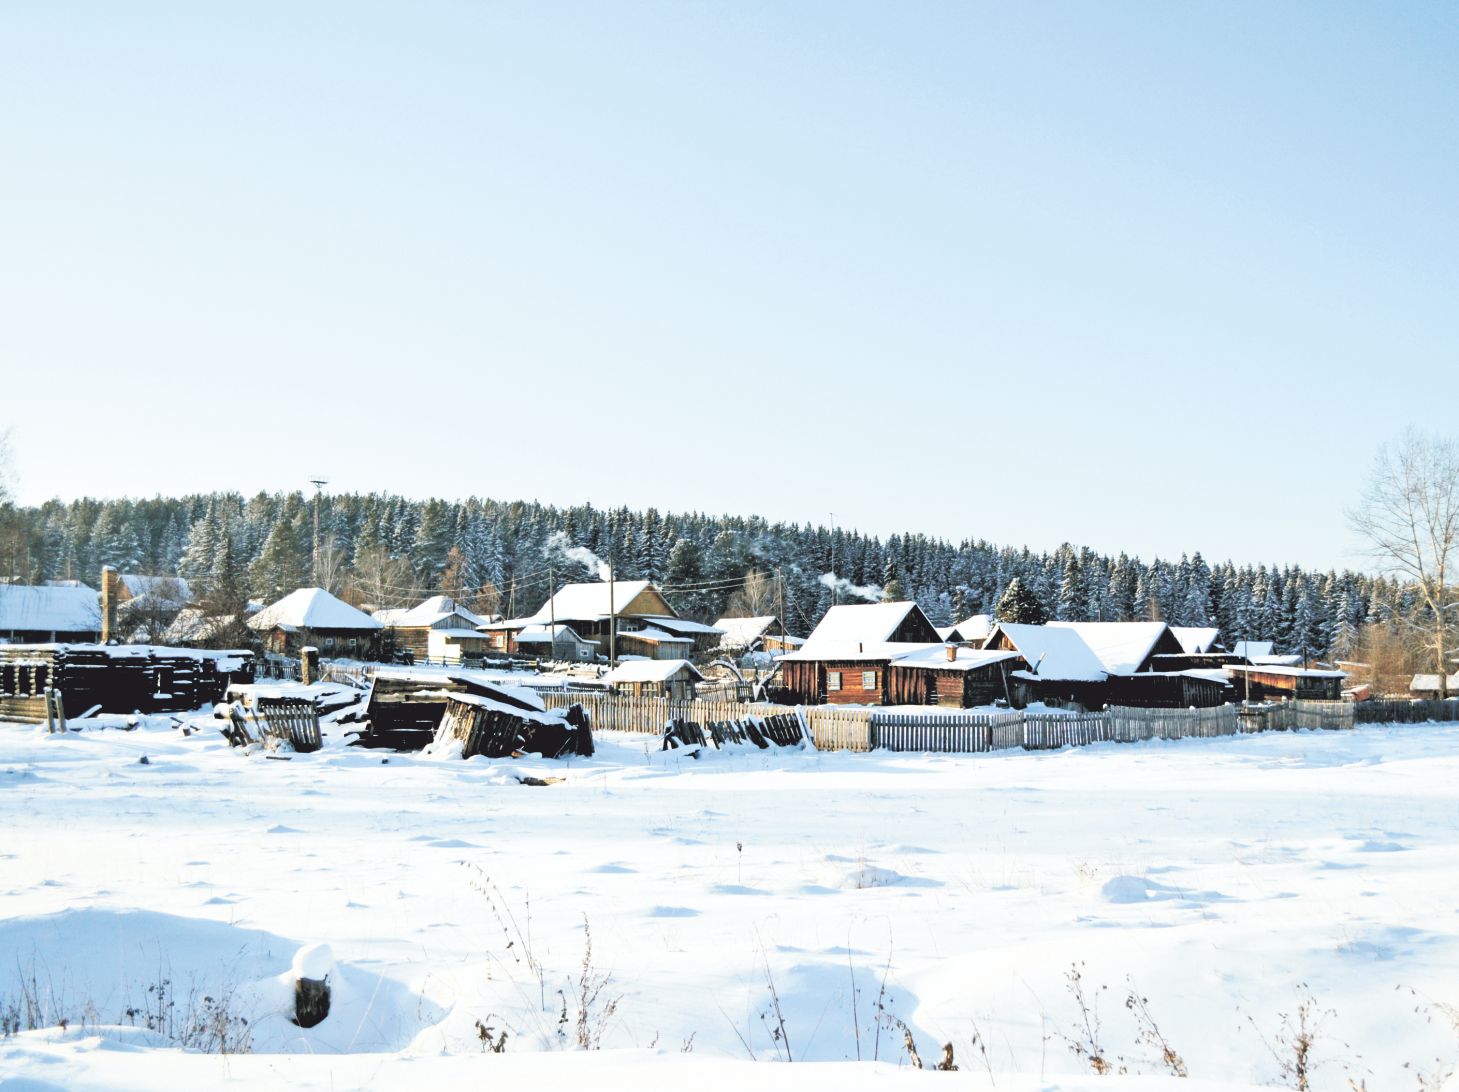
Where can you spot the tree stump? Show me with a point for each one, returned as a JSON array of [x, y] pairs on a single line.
[[311, 1001]]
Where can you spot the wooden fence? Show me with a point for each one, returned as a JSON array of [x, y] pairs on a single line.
[[975, 733], [615, 713], [1400, 711]]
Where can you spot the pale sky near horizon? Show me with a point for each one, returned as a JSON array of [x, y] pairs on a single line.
[[1140, 276]]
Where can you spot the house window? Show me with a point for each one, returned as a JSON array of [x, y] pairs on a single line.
[[329, 643], [868, 680], [833, 680], [354, 641]]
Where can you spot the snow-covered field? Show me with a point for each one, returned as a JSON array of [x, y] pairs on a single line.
[[774, 906]]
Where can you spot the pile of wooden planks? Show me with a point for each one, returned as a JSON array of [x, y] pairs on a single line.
[[491, 729]]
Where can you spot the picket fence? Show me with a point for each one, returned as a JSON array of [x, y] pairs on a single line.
[[975, 733], [614, 713]]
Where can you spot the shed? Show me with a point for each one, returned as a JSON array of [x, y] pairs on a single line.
[[1427, 686], [1276, 682], [956, 676], [556, 643], [652, 643], [654, 678]]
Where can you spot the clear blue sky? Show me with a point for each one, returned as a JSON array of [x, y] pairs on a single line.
[[1154, 277]]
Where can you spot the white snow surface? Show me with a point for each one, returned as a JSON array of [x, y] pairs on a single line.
[[1214, 877]]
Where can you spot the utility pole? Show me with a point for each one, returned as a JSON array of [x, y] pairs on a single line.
[[835, 584], [319, 484], [612, 613], [552, 614], [780, 582]]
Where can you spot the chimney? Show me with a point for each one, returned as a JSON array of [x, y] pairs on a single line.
[[108, 603], [951, 653]]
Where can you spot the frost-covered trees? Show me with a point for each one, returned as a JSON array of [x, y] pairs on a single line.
[[1018, 605]]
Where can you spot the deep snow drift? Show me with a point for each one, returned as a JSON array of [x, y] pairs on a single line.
[[782, 906]]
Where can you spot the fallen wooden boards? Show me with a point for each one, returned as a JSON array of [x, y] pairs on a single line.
[[764, 732], [487, 728]]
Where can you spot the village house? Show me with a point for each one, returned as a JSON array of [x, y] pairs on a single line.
[[437, 629], [599, 612], [654, 679], [31, 614], [311, 616], [1062, 668], [845, 659]]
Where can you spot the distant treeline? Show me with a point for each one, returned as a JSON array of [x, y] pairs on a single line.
[[387, 550]]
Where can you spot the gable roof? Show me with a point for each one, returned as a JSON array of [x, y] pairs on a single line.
[[1053, 652], [1254, 648], [428, 613], [855, 629], [650, 671], [1196, 639], [1123, 647], [311, 608], [744, 632], [49, 610], [590, 602], [978, 627]]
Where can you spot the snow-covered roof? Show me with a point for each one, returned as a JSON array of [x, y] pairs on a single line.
[[1253, 648], [311, 608], [591, 601], [50, 610], [655, 636], [1431, 682], [650, 671], [1195, 639], [1289, 672], [853, 628], [428, 613], [1121, 647], [192, 624], [680, 626], [968, 659], [975, 628], [1055, 652], [544, 634], [163, 589], [744, 632], [1291, 659]]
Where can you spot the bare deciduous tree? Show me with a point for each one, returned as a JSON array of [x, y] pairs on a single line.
[[1410, 517], [755, 599]]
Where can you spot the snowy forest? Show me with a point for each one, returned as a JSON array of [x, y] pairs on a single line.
[[502, 557]]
